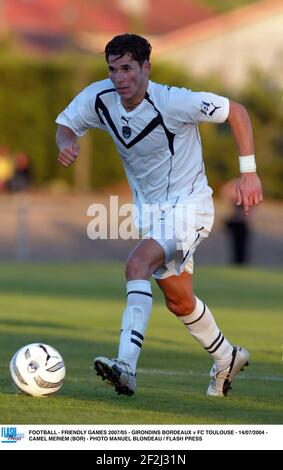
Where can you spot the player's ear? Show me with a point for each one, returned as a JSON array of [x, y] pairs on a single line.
[[147, 66]]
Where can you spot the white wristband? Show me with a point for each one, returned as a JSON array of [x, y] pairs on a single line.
[[247, 164]]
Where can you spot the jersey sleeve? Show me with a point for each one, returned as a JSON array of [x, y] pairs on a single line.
[[193, 107], [80, 114]]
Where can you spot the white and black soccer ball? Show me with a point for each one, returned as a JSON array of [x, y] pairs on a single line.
[[37, 369]]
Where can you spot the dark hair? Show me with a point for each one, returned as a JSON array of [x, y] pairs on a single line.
[[127, 43]]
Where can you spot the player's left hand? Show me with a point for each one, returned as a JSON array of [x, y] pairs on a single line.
[[248, 191]]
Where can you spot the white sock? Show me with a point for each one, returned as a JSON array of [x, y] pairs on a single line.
[[203, 328], [134, 321]]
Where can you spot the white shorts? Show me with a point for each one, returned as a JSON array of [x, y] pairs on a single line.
[[179, 229]]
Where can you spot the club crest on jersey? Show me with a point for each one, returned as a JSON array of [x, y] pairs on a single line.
[[127, 131]]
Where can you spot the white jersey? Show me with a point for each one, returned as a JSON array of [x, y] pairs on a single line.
[[159, 141]]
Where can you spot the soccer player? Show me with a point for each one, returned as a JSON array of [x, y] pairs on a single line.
[[154, 127]]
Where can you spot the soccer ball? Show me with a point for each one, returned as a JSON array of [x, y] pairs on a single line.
[[37, 369]]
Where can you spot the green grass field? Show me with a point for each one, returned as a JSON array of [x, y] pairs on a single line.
[[77, 309]]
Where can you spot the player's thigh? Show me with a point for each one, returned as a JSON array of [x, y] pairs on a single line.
[[144, 259], [178, 293]]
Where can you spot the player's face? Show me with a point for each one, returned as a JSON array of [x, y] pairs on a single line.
[[129, 78]]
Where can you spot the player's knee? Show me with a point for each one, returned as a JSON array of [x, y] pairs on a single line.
[[136, 268], [181, 307]]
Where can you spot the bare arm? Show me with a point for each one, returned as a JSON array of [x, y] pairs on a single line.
[[249, 190], [67, 142]]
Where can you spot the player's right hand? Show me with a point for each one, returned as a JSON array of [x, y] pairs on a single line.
[[68, 155]]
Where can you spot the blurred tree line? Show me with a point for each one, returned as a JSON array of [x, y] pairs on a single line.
[[33, 92]]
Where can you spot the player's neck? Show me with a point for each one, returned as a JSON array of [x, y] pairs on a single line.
[[131, 106]]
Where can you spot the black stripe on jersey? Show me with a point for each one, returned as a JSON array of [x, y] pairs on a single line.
[[99, 105], [109, 90], [170, 136], [139, 292], [158, 120], [203, 312]]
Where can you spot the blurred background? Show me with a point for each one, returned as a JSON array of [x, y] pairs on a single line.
[[51, 49]]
